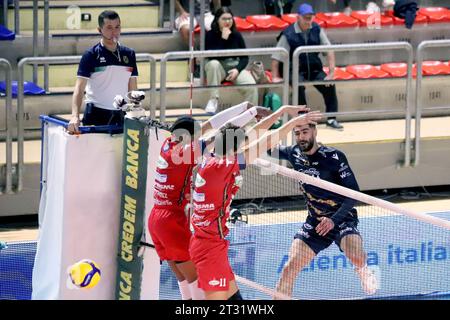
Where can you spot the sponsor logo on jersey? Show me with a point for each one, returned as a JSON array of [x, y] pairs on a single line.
[[343, 167], [204, 206], [304, 234], [300, 159], [161, 177], [161, 194], [307, 226], [164, 186], [345, 174], [348, 229], [102, 60], [163, 202], [199, 181], [199, 197], [315, 163], [222, 282], [205, 223], [312, 172], [161, 163]]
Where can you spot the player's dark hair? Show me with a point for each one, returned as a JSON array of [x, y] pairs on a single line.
[[107, 14], [228, 138], [185, 124]]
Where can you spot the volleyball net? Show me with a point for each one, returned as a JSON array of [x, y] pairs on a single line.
[[409, 252], [406, 251]]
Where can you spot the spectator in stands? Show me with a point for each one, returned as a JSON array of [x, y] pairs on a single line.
[[304, 32], [105, 70], [182, 22], [277, 7], [347, 7], [224, 35], [407, 10]]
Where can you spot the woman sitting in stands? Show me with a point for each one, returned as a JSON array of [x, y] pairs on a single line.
[[224, 36]]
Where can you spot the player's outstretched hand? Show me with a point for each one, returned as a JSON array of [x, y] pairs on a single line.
[[262, 112], [294, 111], [308, 118]]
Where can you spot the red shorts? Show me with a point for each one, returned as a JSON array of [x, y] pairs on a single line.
[[211, 261], [170, 234]]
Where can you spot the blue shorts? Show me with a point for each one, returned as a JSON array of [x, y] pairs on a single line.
[[317, 243]]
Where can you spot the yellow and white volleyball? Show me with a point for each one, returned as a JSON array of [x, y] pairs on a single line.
[[84, 274]]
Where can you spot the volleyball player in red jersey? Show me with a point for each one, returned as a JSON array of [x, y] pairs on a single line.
[[168, 224], [217, 182]]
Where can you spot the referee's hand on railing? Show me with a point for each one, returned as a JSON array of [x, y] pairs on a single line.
[[74, 125]]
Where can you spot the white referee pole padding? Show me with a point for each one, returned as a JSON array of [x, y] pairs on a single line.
[[299, 176], [78, 212], [152, 266]]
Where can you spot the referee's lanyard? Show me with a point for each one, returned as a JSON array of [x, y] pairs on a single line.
[[118, 57]]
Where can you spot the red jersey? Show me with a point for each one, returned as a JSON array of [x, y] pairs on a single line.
[[173, 175], [216, 183]]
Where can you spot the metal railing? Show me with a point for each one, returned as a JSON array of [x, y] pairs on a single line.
[[171, 14], [418, 99], [62, 60], [4, 64], [361, 47], [5, 12], [224, 53]]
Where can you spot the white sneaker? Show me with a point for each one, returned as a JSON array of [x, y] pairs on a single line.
[[369, 281], [211, 106], [347, 11]]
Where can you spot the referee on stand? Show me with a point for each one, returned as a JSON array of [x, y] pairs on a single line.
[[105, 70]]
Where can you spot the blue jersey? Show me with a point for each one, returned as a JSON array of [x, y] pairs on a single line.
[[108, 73], [327, 164]]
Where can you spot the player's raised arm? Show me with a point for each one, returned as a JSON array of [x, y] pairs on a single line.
[[255, 148]]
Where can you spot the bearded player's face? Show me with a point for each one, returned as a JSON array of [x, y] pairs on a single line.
[[305, 137]]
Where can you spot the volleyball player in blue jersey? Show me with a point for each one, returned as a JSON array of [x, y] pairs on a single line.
[[331, 217]]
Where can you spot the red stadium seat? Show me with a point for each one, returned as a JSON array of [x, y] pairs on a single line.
[[366, 17], [366, 71], [292, 18], [420, 18], [433, 68], [397, 69], [337, 20], [243, 25], [265, 22], [436, 14], [339, 73]]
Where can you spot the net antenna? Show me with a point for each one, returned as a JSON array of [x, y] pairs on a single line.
[[192, 68]]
